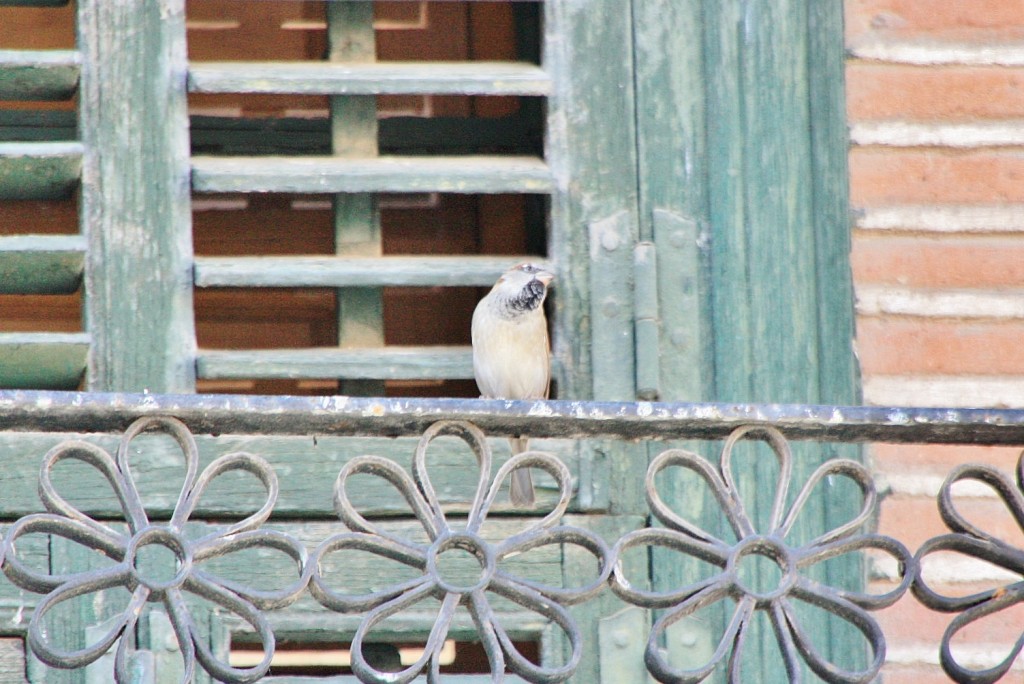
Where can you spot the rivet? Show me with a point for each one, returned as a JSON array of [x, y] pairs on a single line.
[[610, 308], [610, 240], [621, 638]]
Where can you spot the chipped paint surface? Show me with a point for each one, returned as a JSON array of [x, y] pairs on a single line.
[[294, 415]]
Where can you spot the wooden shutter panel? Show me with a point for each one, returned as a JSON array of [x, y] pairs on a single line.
[[355, 171], [40, 264]]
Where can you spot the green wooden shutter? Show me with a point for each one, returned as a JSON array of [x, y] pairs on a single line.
[[661, 122], [135, 206], [356, 173], [589, 173], [743, 198], [31, 168]]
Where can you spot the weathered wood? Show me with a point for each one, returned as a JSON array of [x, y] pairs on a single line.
[[370, 78], [838, 372], [612, 345], [463, 174], [39, 170], [673, 182], [135, 206], [402, 271], [371, 363], [307, 467], [591, 147], [765, 177], [41, 264], [596, 617], [43, 360], [357, 229], [38, 74], [12, 661], [33, 3]]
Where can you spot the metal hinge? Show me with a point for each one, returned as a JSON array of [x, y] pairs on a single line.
[[646, 322]]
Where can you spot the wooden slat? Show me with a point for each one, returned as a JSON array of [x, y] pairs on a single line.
[[464, 174], [135, 207], [351, 38], [402, 271], [39, 170], [42, 360], [38, 74], [33, 3], [307, 470], [388, 363], [372, 78], [41, 264]]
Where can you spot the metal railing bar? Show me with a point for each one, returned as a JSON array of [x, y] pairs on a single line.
[[340, 415]]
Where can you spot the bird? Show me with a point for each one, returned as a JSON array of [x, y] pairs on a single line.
[[512, 353]]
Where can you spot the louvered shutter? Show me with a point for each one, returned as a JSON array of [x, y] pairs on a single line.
[[140, 183], [33, 166], [357, 173]]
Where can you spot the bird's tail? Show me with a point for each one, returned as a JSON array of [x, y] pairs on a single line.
[[520, 490]]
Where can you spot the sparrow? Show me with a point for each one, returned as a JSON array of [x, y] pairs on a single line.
[[511, 351]]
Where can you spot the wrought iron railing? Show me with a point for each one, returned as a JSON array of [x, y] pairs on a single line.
[[442, 532]]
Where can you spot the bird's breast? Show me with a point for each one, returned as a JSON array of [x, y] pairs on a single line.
[[511, 358]]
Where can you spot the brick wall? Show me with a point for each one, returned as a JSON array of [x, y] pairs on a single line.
[[935, 94]]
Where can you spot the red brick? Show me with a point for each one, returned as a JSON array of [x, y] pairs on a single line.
[[938, 458], [917, 674], [946, 261], [880, 176], [910, 346], [909, 623], [988, 20], [913, 520], [927, 93]]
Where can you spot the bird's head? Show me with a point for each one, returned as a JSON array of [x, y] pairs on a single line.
[[523, 287]]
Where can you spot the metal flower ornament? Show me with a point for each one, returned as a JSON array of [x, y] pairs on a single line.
[[729, 581], [126, 549], [967, 539], [443, 538]]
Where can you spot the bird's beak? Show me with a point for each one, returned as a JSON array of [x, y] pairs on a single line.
[[545, 277]]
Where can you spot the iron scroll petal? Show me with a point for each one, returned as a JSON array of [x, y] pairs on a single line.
[[261, 539], [1008, 598], [517, 592], [239, 461], [135, 511], [715, 554], [474, 437], [784, 455], [973, 542], [435, 641], [905, 566], [419, 492], [66, 521], [850, 469], [831, 601], [684, 537], [101, 461], [85, 583], [973, 607], [29, 579], [397, 476], [1011, 496]]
